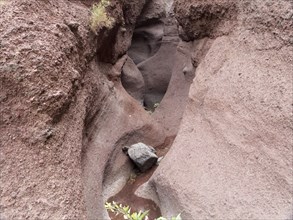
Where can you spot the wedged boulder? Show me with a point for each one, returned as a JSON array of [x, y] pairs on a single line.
[[132, 80], [143, 156]]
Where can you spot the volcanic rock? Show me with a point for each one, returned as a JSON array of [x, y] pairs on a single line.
[[143, 156]]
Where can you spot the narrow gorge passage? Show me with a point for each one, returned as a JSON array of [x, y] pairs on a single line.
[[157, 73], [216, 101], [145, 76]]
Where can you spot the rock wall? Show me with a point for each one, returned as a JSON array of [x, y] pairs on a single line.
[[232, 158], [65, 114], [153, 49], [44, 53], [55, 91]]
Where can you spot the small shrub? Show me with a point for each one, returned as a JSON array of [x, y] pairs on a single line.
[[2, 2], [100, 17], [119, 209]]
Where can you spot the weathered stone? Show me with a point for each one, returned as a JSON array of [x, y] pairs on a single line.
[[132, 80], [143, 156]]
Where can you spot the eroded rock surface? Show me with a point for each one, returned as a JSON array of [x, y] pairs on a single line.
[[65, 114], [132, 80], [57, 101], [153, 49], [157, 69], [236, 132], [209, 18]]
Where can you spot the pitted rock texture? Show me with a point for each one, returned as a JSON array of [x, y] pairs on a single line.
[[65, 115], [206, 18], [42, 67], [236, 132], [54, 90], [114, 42]]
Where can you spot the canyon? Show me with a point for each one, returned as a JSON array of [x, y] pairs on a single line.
[[208, 84]]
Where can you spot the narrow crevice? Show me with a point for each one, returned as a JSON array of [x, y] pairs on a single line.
[[157, 72], [151, 57], [146, 76]]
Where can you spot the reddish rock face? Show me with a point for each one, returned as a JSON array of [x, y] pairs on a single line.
[[232, 157], [65, 115], [206, 18], [113, 43], [42, 70], [57, 100]]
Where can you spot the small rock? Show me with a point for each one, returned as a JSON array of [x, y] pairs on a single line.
[[142, 155]]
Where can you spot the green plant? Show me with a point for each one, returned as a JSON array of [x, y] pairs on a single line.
[[125, 211], [119, 209], [156, 105], [100, 17], [178, 217], [2, 2]]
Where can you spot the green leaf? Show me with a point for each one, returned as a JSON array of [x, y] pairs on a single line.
[[134, 216], [144, 215], [126, 209], [126, 212], [178, 217]]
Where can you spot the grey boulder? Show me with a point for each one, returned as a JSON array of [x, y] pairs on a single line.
[[143, 156]]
